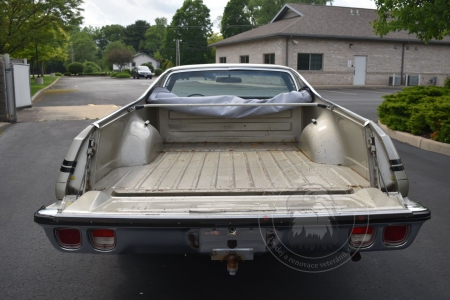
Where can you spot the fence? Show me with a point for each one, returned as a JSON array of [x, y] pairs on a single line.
[[14, 88]]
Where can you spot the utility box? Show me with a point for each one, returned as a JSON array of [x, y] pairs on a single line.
[[413, 80], [395, 80]]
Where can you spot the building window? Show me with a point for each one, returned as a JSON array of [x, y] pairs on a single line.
[[223, 60], [245, 59], [269, 58], [309, 61], [133, 64]]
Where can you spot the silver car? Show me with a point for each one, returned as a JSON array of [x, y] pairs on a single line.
[[141, 71]]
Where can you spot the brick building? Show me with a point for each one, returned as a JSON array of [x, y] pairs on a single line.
[[332, 45]]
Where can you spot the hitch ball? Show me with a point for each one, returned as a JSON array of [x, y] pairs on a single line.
[[232, 263]]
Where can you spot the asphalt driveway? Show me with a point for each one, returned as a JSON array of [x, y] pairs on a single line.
[[30, 156], [362, 100]]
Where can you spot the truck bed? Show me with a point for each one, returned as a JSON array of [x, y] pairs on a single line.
[[209, 169]]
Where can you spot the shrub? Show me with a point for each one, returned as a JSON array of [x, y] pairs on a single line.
[[123, 75], [75, 68], [149, 65], [158, 72], [166, 64], [126, 71], [447, 82], [58, 74], [420, 111], [90, 67], [67, 74]]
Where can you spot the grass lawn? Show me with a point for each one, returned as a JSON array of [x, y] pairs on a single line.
[[36, 87]]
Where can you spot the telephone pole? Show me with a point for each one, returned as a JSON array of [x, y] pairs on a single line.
[[71, 44], [177, 43]]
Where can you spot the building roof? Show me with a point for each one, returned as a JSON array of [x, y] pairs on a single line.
[[143, 53], [320, 21]]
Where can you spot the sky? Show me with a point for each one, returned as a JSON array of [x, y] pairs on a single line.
[[98, 13]]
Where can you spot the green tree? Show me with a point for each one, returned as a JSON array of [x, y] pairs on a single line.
[[113, 46], [154, 36], [84, 47], [120, 57], [191, 24], [236, 18], [214, 38], [263, 11], [49, 44], [134, 33], [428, 19], [108, 34], [22, 21]]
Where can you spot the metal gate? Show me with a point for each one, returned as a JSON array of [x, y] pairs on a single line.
[[14, 87]]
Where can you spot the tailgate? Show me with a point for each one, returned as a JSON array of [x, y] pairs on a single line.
[[365, 202]]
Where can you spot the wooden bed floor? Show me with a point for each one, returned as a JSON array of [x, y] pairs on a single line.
[[230, 169]]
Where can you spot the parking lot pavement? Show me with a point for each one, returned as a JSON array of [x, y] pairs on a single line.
[[84, 98], [94, 90], [361, 101]]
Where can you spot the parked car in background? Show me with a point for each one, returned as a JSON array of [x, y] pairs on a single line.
[[141, 71]]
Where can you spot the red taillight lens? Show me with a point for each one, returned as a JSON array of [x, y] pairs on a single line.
[[103, 239], [69, 238], [362, 236], [395, 235]]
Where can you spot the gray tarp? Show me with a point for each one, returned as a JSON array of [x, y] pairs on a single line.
[[163, 96]]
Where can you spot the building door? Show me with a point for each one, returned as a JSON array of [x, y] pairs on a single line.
[[360, 70]]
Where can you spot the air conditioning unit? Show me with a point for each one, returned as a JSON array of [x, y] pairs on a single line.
[[395, 80], [413, 80]]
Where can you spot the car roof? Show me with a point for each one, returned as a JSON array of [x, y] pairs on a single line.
[[230, 66]]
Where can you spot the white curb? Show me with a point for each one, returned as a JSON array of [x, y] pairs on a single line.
[[40, 92], [417, 141]]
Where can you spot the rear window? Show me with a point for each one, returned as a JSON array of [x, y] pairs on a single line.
[[241, 83]]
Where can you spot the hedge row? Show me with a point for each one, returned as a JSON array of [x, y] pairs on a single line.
[[89, 74], [447, 82], [122, 75], [423, 111]]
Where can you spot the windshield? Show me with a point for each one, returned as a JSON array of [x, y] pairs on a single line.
[[143, 68], [241, 83]]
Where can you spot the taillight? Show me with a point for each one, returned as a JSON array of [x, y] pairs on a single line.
[[362, 236], [103, 239], [395, 235], [69, 238]]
